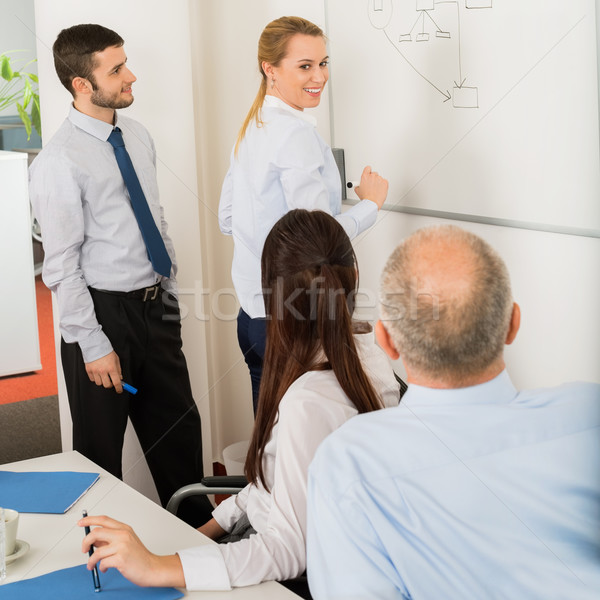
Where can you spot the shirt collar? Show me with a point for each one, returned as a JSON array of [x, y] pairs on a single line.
[[499, 390], [99, 129], [275, 102]]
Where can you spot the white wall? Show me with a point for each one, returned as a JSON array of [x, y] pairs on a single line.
[[17, 32], [164, 104]]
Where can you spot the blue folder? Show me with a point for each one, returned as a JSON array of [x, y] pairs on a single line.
[[43, 492], [76, 583]]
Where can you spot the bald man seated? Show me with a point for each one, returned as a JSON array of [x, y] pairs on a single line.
[[469, 489]]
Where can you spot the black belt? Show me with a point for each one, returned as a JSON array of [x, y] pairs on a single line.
[[145, 294]]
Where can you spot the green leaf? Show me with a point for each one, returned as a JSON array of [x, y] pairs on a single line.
[[33, 77], [5, 69], [26, 120], [27, 93], [35, 114]]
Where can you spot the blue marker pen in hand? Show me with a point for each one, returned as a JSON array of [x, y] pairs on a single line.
[[129, 388]]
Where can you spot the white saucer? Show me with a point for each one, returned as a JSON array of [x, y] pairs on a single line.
[[21, 548]]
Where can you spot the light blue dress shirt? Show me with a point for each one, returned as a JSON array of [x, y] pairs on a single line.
[[475, 493], [282, 165], [90, 234]]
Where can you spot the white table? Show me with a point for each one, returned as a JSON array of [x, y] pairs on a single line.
[[55, 540]]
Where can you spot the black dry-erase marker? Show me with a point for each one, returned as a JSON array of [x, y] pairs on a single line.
[[95, 575]]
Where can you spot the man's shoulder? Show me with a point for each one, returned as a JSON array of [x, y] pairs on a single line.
[[580, 387], [361, 439], [61, 136], [365, 440], [56, 150], [574, 392]]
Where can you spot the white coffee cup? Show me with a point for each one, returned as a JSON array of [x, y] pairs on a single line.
[[11, 522]]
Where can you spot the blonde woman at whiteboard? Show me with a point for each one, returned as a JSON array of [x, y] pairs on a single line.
[[279, 163]]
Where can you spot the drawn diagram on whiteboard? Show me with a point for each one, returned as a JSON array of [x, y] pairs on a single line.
[[430, 39]]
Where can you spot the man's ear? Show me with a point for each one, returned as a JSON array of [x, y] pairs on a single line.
[[515, 323], [81, 86], [385, 341]]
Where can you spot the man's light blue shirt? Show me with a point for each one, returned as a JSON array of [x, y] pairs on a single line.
[[90, 234], [473, 493]]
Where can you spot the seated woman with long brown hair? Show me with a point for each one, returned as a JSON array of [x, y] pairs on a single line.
[[317, 375]]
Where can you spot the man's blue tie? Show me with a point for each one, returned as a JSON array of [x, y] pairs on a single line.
[[157, 252]]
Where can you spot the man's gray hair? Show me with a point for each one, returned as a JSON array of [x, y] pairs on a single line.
[[446, 325]]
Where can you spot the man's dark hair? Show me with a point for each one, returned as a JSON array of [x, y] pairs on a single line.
[[74, 50]]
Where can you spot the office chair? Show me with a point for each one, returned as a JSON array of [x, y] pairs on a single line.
[[233, 484], [216, 484], [229, 484]]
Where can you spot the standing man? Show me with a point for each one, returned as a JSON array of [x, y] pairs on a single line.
[[469, 488], [111, 264]]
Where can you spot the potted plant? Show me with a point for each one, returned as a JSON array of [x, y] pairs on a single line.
[[20, 88]]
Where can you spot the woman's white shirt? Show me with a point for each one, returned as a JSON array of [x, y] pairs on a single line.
[[282, 165], [313, 407]]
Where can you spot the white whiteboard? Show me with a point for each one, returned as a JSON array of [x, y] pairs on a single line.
[[472, 108]]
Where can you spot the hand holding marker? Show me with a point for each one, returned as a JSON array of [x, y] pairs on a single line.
[[371, 186]]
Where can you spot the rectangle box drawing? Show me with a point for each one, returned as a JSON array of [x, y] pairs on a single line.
[[425, 4], [465, 97], [478, 3]]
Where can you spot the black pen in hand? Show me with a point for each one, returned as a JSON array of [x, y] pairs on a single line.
[[95, 575]]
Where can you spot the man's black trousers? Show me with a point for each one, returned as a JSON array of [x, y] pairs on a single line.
[[146, 335]]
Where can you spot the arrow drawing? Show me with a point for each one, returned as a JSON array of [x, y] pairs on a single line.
[[446, 94], [381, 15]]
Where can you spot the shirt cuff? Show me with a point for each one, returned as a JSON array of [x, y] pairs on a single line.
[[365, 214], [204, 568], [95, 346]]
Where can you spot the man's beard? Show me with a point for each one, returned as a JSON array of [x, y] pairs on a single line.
[[99, 99]]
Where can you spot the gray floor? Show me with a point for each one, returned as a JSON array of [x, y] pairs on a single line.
[[29, 429]]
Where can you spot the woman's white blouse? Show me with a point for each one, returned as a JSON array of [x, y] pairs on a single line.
[[310, 410], [282, 165]]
